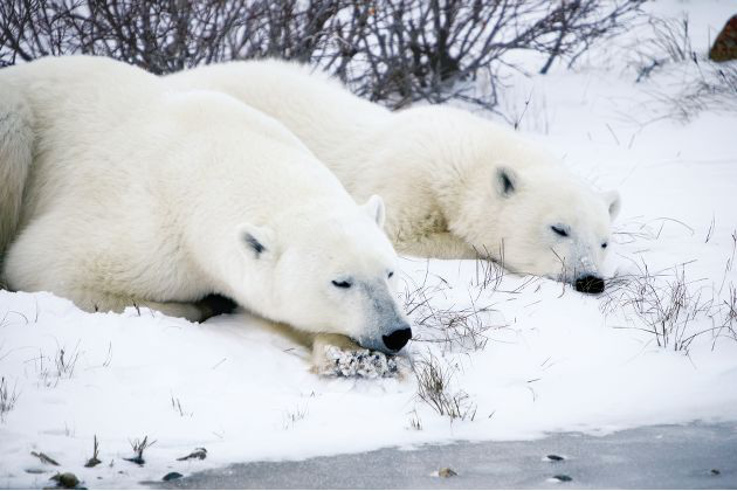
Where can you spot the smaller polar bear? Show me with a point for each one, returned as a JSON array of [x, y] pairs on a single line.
[[456, 185], [116, 190]]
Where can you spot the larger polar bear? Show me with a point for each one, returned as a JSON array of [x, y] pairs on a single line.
[[116, 190], [455, 185]]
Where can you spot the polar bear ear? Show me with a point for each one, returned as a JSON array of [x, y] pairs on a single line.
[[256, 241], [613, 203], [506, 181], [376, 210]]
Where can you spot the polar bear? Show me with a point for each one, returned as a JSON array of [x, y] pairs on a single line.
[[116, 190], [456, 185]]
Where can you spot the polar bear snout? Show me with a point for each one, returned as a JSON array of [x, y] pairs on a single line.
[[398, 338], [590, 284]]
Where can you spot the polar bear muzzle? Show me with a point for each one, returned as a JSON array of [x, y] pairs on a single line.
[[589, 284], [396, 340]]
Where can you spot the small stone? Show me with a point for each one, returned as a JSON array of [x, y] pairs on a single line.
[[725, 45], [199, 453], [66, 480], [136, 460], [447, 472], [562, 478], [172, 476], [554, 458], [714, 472]]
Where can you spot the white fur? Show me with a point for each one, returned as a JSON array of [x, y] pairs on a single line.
[[16, 147], [437, 168], [142, 194]]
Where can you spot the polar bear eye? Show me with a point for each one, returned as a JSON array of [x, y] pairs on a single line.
[[341, 284], [391, 273], [604, 245], [559, 231]]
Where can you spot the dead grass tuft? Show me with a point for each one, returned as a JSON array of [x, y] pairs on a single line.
[[8, 398], [673, 308], [140, 446], [94, 460], [455, 329], [433, 388]]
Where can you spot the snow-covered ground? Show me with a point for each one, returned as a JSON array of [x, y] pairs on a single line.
[[524, 356]]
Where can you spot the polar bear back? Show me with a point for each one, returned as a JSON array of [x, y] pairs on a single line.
[[336, 125], [126, 168], [179, 134]]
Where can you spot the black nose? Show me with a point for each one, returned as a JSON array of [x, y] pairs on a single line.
[[590, 284], [396, 340]]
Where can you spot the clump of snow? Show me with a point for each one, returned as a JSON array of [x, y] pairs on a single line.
[[530, 355]]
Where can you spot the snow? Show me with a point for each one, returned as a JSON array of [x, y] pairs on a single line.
[[532, 357]]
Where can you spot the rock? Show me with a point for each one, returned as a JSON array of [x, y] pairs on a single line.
[[66, 480], [359, 364], [136, 460], [172, 476], [554, 458], [198, 453], [562, 478], [725, 45], [447, 472]]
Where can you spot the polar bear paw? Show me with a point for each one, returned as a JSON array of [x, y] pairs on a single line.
[[361, 363]]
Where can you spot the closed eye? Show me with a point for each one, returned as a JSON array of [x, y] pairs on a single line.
[[559, 231], [341, 284]]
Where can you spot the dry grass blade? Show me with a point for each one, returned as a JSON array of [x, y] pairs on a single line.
[[8, 398], [45, 458]]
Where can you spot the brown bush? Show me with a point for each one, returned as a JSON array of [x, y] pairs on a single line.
[[396, 51]]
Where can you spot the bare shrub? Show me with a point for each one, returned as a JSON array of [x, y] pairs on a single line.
[[164, 36], [713, 88], [703, 84], [419, 50], [396, 51], [669, 42], [433, 388]]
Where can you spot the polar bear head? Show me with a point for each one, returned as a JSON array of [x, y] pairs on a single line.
[[509, 199], [328, 271], [541, 220]]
